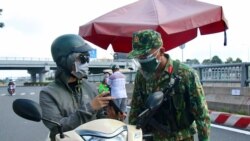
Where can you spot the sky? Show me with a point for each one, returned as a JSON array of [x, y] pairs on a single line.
[[32, 25]]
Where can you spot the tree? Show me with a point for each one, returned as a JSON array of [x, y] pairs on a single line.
[[216, 60], [206, 61], [238, 60], [192, 61], [229, 60], [1, 23]]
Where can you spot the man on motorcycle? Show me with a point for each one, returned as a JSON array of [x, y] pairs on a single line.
[[11, 84], [184, 107], [11, 87], [71, 100]]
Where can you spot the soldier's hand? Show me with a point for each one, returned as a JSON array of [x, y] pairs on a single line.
[[122, 116], [101, 100], [112, 114]]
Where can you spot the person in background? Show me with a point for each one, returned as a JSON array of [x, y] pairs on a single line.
[[106, 76], [185, 110], [103, 86], [11, 87], [71, 100], [11, 84], [117, 84]]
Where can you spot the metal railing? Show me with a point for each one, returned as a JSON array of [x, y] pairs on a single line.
[[25, 59], [130, 77], [235, 74]]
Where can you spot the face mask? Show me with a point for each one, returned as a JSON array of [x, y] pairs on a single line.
[[150, 63], [81, 66], [81, 70]]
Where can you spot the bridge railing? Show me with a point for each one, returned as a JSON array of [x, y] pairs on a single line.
[[130, 77], [230, 74], [25, 59], [236, 75]]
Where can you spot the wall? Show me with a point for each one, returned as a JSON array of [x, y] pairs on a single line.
[[228, 99], [221, 98]]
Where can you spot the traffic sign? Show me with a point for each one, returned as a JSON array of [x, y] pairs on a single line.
[[92, 53]]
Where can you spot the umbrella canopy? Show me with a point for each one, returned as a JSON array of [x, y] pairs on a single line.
[[176, 20]]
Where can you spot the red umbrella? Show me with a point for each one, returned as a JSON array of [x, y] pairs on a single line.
[[177, 21]]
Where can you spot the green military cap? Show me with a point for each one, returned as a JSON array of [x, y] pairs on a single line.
[[143, 41]]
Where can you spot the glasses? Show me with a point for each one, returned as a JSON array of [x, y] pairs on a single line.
[[145, 57], [83, 58]]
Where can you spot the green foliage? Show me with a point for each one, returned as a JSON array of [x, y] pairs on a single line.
[[36, 83], [227, 110], [238, 60], [206, 62], [1, 23], [230, 60], [216, 60], [192, 62]]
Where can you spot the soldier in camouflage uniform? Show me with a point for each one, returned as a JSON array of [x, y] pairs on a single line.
[[185, 112]]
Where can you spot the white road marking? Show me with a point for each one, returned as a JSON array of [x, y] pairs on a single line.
[[32, 93], [23, 94]]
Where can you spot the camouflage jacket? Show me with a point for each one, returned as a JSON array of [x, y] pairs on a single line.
[[190, 85]]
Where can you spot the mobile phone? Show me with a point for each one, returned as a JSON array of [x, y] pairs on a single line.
[[117, 109], [108, 94]]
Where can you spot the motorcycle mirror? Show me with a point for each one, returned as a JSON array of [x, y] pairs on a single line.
[[154, 100], [27, 109], [31, 110]]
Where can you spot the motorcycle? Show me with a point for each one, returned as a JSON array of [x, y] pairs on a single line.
[[104, 129], [11, 89], [99, 129]]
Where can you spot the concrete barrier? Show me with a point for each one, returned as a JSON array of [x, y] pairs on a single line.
[[228, 99], [224, 99], [223, 104], [233, 120]]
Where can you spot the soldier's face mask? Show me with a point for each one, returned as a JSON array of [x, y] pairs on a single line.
[[149, 63]]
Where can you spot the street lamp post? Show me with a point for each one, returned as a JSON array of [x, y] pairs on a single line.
[[182, 47]]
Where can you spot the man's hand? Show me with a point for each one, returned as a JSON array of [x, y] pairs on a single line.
[[101, 100]]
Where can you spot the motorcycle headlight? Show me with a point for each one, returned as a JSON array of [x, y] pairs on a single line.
[[120, 134], [120, 137]]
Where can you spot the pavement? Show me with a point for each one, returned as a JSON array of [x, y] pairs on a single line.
[[228, 119]]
